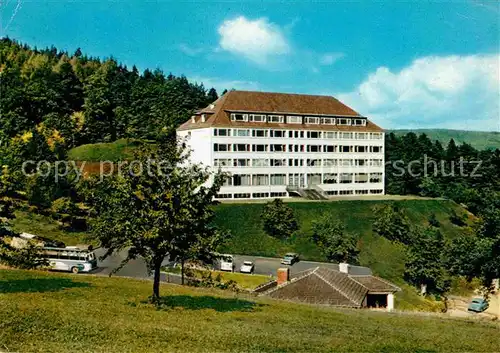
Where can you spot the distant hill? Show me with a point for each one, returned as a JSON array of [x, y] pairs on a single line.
[[478, 139]]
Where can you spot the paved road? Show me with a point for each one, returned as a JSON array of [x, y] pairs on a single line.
[[263, 265]]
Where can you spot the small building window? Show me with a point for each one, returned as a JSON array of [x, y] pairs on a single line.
[[241, 162], [346, 135], [376, 149], [222, 147], [278, 162], [260, 195], [345, 149], [259, 133], [239, 117], [277, 133], [258, 118], [242, 196], [275, 119], [343, 121], [222, 132], [260, 179], [241, 147], [277, 148], [375, 177], [222, 162], [328, 121], [329, 148], [278, 179], [359, 122], [259, 148], [361, 178], [313, 148], [294, 119], [345, 178], [242, 132], [224, 196], [330, 134], [313, 134], [311, 120], [314, 162], [278, 194], [241, 180], [330, 178], [329, 162], [260, 162]]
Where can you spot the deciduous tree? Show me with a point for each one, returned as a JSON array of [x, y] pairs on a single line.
[[279, 219]]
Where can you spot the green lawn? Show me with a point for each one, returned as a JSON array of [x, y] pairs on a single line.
[[48, 312], [113, 151]]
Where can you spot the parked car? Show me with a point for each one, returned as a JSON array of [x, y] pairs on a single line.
[[478, 305], [227, 263], [247, 267], [290, 259]]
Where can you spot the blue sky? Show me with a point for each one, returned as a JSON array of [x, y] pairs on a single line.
[[405, 64]]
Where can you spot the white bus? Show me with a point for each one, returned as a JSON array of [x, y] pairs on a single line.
[[70, 258]]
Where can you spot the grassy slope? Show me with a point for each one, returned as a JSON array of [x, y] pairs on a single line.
[[478, 139], [384, 257], [113, 151], [48, 312]]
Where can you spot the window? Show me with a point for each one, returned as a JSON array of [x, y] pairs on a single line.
[[361, 136], [258, 118], [375, 162], [278, 179], [313, 148], [259, 133], [260, 162], [345, 162], [345, 149], [329, 148], [278, 194], [222, 132], [241, 180], [376, 149], [376, 136], [311, 120], [343, 121], [377, 191], [260, 195], [228, 181], [314, 162], [332, 192], [242, 132], [328, 121], [222, 147], [330, 178], [277, 133], [278, 162], [345, 192], [360, 162], [313, 134], [295, 162], [242, 196], [375, 177], [224, 196], [346, 135], [241, 162], [329, 162], [330, 134], [359, 122], [361, 149], [259, 148], [345, 178], [299, 134], [361, 192], [239, 117], [277, 148], [222, 162], [260, 179], [291, 119], [361, 178], [275, 119], [241, 147]]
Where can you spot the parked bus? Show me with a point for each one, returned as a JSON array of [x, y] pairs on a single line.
[[70, 258]]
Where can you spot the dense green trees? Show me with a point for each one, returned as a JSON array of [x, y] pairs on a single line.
[[278, 219], [337, 245]]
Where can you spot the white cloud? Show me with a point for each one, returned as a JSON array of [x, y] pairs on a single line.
[[257, 40], [330, 58], [460, 92]]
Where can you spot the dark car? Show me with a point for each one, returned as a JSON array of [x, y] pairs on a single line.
[[290, 258]]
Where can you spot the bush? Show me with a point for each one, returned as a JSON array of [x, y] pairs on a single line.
[[279, 219]]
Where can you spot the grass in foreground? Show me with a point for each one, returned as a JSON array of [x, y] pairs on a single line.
[[49, 312]]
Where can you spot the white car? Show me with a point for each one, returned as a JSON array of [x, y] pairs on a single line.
[[227, 263], [247, 267]]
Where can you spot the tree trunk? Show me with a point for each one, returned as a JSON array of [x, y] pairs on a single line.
[[156, 282], [182, 271]]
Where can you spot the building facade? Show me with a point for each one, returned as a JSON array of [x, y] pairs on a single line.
[[278, 145]]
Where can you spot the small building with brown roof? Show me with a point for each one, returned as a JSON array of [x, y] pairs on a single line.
[[282, 145], [327, 286]]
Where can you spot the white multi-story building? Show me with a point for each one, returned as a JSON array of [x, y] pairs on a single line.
[[281, 145]]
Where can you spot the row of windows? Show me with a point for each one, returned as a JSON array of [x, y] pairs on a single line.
[[298, 134], [296, 119], [318, 178], [296, 162], [259, 195], [246, 147]]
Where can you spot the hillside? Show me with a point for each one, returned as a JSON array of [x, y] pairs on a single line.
[[49, 312], [478, 139], [383, 257]]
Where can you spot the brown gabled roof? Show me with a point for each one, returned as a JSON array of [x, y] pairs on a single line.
[[323, 285], [218, 113]]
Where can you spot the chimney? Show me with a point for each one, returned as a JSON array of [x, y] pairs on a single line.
[[202, 118], [283, 276], [344, 267], [193, 119]]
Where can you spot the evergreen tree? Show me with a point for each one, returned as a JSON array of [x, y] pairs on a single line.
[[212, 95]]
